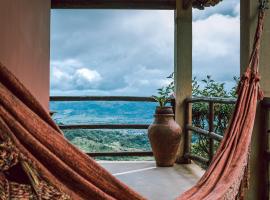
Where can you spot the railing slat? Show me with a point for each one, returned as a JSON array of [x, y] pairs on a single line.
[[205, 133], [187, 132], [104, 126], [102, 98], [211, 129], [197, 158], [211, 99], [114, 154]]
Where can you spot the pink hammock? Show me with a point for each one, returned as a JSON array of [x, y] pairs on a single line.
[[47, 166], [227, 174]]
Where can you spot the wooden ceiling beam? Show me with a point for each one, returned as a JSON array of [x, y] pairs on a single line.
[[114, 4]]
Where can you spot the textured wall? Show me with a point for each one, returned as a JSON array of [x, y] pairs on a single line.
[[25, 43]]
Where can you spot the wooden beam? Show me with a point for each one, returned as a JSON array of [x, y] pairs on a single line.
[[113, 154], [187, 4], [194, 99], [200, 131], [188, 133], [102, 98], [211, 119], [197, 158], [113, 4], [104, 126]]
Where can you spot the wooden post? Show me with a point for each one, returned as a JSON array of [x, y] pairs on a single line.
[[267, 120], [173, 106], [182, 68], [266, 108], [188, 132], [211, 129], [249, 13]]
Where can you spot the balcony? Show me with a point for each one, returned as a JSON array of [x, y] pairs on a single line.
[[144, 176], [189, 129]]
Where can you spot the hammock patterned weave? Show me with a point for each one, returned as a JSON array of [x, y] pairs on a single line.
[[54, 168], [37, 162]]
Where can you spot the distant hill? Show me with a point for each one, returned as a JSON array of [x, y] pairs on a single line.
[[103, 112], [109, 113]]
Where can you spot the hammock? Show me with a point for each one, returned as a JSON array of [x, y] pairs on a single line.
[[37, 162], [227, 175]]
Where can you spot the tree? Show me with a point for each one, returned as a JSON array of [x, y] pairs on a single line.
[[222, 112]]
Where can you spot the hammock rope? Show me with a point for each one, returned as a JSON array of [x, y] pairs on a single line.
[[255, 55]]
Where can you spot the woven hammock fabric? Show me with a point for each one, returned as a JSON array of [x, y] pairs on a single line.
[[35, 143], [227, 175]]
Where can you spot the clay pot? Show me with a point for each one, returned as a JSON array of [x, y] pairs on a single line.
[[164, 135]]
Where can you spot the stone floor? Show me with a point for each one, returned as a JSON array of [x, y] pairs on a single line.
[[153, 182]]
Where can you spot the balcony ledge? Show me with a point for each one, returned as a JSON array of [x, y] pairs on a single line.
[[153, 182]]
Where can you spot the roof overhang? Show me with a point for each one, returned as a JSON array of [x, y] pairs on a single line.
[[114, 4], [129, 4]]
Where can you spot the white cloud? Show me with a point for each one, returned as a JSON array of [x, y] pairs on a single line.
[[237, 9], [69, 75], [88, 74], [216, 36]]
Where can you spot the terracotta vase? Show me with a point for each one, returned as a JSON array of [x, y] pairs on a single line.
[[164, 135]]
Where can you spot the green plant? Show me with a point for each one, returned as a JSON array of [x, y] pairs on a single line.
[[207, 87], [165, 93], [200, 112]]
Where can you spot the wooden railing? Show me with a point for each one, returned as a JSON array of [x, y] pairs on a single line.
[[108, 126], [190, 129]]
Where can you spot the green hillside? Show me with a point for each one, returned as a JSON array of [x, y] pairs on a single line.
[[109, 141]]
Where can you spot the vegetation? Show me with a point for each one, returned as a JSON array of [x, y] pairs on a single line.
[[165, 93], [222, 112], [200, 110], [109, 141]]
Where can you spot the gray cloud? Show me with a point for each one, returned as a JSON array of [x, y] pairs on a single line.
[[116, 44], [216, 47], [127, 52]]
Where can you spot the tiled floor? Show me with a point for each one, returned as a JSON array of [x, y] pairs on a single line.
[[155, 183]]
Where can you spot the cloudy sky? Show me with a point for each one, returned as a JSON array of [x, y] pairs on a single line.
[[130, 52]]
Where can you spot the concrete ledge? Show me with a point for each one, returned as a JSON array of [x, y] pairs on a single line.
[[155, 183]]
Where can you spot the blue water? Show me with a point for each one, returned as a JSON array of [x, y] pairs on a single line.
[[96, 112]]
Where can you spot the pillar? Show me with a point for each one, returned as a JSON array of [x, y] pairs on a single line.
[[182, 69]]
